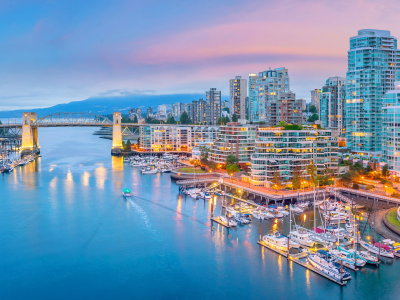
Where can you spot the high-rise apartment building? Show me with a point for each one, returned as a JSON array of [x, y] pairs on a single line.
[[332, 100], [373, 65], [201, 111], [238, 95], [177, 109], [149, 112], [225, 104], [213, 110], [391, 129], [253, 98], [315, 98], [269, 87], [286, 109]]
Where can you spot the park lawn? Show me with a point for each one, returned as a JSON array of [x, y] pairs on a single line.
[[191, 170], [392, 218]]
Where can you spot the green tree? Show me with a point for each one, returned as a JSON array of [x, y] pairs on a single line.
[[282, 123], [276, 181], [313, 118], [184, 119], [231, 159], [204, 152], [385, 171], [135, 119], [212, 165], [226, 109], [220, 121], [297, 178], [311, 170], [232, 169], [226, 120], [313, 109], [234, 118], [128, 145], [171, 120]]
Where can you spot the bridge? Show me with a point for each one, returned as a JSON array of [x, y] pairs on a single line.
[[28, 129]]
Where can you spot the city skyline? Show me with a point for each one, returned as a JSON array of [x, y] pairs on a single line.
[[58, 53]]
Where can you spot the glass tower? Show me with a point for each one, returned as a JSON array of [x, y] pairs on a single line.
[[373, 65]]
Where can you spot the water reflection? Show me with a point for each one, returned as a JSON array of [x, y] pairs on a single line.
[[85, 178], [100, 174]]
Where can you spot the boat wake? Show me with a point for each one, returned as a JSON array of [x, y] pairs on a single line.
[[142, 215]]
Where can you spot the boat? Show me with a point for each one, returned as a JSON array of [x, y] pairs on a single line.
[[8, 169], [231, 210], [375, 249], [297, 210], [266, 214], [347, 257], [256, 214], [194, 193], [224, 219], [126, 159], [126, 193], [240, 218], [278, 241], [301, 236], [135, 164], [369, 258], [150, 172], [166, 170], [205, 195], [324, 262]]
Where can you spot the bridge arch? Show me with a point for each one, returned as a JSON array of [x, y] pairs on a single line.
[[73, 119]]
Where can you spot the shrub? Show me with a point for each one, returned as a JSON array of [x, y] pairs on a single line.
[[369, 187], [356, 186]]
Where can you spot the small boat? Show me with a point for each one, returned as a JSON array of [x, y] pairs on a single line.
[[301, 236], [324, 262], [256, 214], [166, 170], [8, 169], [373, 248], [135, 164], [150, 172], [126, 193], [224, 220], [231, 210], [126, 159], [347, 257], [297, 210], [240, 218], [278, 241], [194, 193], [205, 195], [369, 258]]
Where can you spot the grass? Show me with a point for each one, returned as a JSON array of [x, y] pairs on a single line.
[[191, 170], [392, 218]]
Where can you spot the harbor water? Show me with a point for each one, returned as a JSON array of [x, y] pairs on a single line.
[[67, 233]]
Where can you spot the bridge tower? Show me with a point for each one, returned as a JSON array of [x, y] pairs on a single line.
[[117, 131], [29, 134]]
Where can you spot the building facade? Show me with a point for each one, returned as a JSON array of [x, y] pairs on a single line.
[[213, 109], [149, 112], [238, 95], [332, 100], [284, 151], [161, 138], [286, 108], [391, 129], [177, 109], [373, 66], [235, 139], [253, 98], [315, 98]]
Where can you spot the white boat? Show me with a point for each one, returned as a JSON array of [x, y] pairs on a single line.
[[266, 215], [194, 193], [135, 164], [347, 257], [231, 210], [297, 210], [256, 214], [300, 235], [205, 195], [335, 216], [126, 159], [324, 262], [278, 241], [373, 249], [150, 172], [371, 259], [224, 220]]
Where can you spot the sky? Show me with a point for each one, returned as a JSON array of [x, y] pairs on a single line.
[[55, 52]]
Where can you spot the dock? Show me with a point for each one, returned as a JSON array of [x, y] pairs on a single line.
[[215, 219], [296, 259]]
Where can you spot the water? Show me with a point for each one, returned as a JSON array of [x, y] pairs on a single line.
[[67, 233]]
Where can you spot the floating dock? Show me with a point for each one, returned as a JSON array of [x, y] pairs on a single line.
[[296, 258], [219, 222]]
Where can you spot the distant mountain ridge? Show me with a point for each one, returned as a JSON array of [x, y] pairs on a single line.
[[108, 105]]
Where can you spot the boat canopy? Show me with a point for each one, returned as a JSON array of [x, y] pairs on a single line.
[[325, 253], [126, 190]]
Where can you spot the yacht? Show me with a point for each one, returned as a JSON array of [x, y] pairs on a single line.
[[194, 193], [324, 262], [256, 214], [266, 214], [374, 248], [278, 241], [300, 235], [150, 172], [369, 258], [348, 257]]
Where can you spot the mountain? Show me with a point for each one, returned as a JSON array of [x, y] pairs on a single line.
[[108, 105]]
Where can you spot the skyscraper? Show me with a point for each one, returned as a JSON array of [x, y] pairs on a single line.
[[315, 98], [177, 109], [238, 95], [331, 104], [253, 98], [373, 65], [269, 86], [213, 111]]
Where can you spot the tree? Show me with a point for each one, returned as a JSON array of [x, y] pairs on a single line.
[[171, 120], [128, 146], [212, 165], [276, 181], [297, 178], [313, 118], [135, 119], [226, 109], [313, 109], [234, 118], [311, 170], [385, 171], [282, 123], [226, 120], [204, 151], [231, 159], [220, 121], [184, 119], [232, 169]]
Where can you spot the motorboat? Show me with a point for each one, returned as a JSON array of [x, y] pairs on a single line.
[[205, 195], [135, 163], [232, 222], [126, 193], [336, 216], [150, 172], [369, 258], [166, 170], [301, 236], [266, 214], [256, 214], [240, 218], [374, 248], [126, 159], [347, 257], [328, 206], [194, 193], [231, 210], [297, 210], [8, 169], [325, 263], [278, 241]]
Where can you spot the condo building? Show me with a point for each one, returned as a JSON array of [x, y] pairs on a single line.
[[286, 108], [213, 109], [236, 139], [161, 138], [332, 100], [284, 151], [391, 129], [373, 66], [315, 98], [253, 98], [238, 95]]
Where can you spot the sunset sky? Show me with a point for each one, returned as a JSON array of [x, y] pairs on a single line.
[[60, 51]]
